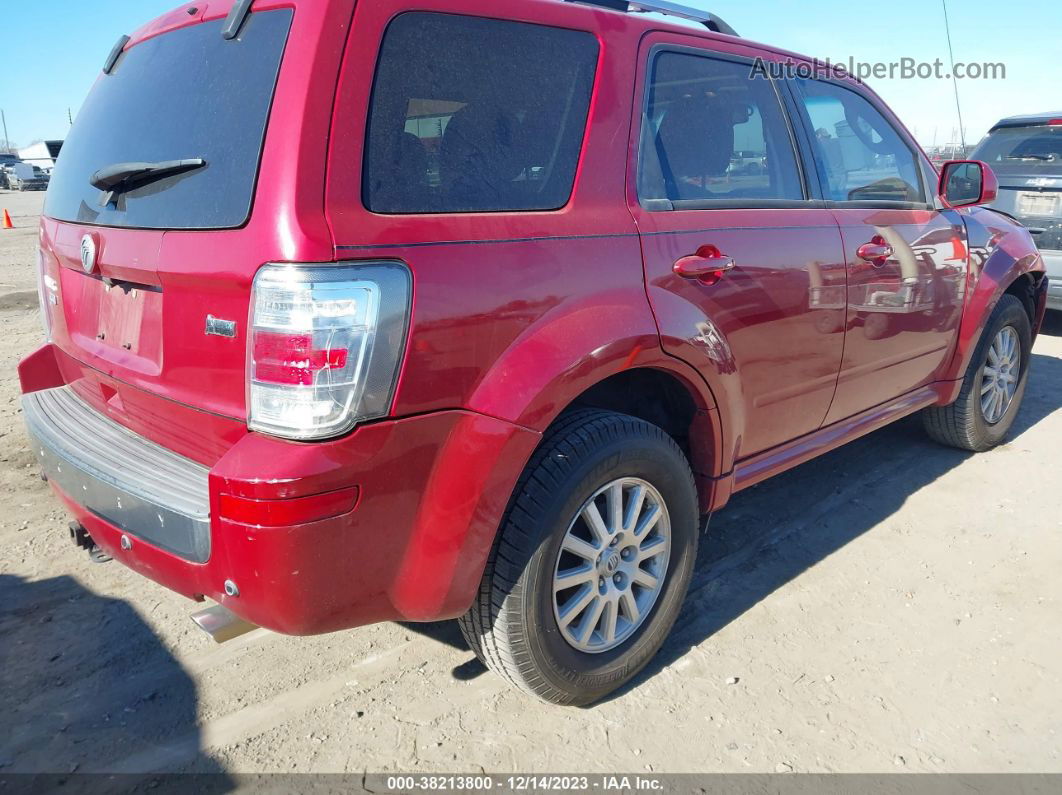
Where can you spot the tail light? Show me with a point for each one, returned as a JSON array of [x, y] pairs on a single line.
[[326, 345], [47, 292]]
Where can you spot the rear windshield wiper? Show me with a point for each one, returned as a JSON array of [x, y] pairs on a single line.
[[124, 177]]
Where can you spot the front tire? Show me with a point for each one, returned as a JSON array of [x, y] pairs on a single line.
[[993, 387], [592, 561]]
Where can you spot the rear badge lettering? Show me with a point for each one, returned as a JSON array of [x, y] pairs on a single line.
[[216, 327]]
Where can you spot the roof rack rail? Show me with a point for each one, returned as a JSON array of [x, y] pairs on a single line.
[[709, 20]]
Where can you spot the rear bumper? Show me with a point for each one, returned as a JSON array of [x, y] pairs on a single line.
[[411, 545], [1053, 261], [139, 487]]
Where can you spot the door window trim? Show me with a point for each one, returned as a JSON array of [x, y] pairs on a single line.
[[807, 128], [812, 199]]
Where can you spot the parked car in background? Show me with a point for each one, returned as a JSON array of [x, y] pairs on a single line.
[[392, 332], [6, 175], [748, 163], [22, 176], [6, 159], [1026, 154]]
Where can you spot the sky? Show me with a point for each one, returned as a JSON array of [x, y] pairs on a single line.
[[53, 51]]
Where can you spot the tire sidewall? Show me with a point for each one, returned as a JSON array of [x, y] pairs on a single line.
[[658, 462], [1008, 312]]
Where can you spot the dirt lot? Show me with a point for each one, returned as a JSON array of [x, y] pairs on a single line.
[[892, 606]]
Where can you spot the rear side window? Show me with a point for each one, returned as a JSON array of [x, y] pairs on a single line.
[[182, 95], [476, 115], [859, 155], [711, 133]]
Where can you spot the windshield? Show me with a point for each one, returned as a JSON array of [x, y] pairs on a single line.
[[1023, 150], [185, 94]]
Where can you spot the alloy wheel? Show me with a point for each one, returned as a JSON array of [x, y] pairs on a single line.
[[999, 378], [612, 565]]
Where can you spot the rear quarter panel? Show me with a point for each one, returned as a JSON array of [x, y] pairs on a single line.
[[514, 313]]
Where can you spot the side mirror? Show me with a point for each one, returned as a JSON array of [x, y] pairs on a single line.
[[967, 183]]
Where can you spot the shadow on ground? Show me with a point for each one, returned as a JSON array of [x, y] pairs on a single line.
[[446, 632], [84, 683]]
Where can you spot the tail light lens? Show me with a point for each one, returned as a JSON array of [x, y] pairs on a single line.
[[326, 345], [48, 293]]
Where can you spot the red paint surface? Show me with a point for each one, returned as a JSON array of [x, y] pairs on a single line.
[[432, 491], [514, 316]]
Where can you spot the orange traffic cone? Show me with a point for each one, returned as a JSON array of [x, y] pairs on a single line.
[[7, 220], [958, 250]]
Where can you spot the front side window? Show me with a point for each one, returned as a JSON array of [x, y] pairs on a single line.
[[476, 115], [711, 133], [859, 155]]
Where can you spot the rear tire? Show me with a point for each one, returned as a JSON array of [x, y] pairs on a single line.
[[967, 423], [524, 624]]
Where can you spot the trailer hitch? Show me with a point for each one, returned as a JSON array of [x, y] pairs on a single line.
[[81, 538]]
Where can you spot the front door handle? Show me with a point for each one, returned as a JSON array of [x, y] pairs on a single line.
[[707, 266], [877, 252]]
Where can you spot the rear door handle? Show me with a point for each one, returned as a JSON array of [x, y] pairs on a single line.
[[708, 265], [877, 252]]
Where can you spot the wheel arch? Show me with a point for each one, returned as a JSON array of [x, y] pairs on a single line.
[[659, 389], [665, 396], [1003, 260], [1027, 288], [590, 353]]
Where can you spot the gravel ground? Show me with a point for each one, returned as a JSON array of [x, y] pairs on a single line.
[[892, 606]]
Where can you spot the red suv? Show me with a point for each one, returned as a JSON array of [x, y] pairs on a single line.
[[370, 311]]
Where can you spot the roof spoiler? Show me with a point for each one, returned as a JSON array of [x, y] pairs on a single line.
[[233, 23], [709, 20]]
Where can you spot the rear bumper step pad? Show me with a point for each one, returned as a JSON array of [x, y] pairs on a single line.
[[145, 490]]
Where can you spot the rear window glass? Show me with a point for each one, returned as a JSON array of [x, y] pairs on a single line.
[[476, 115], [182, 95], [1023, 150]]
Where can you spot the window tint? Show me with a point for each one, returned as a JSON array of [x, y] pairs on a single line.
[[185, 94], [476, 115], [712, 133], [860, 156]]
